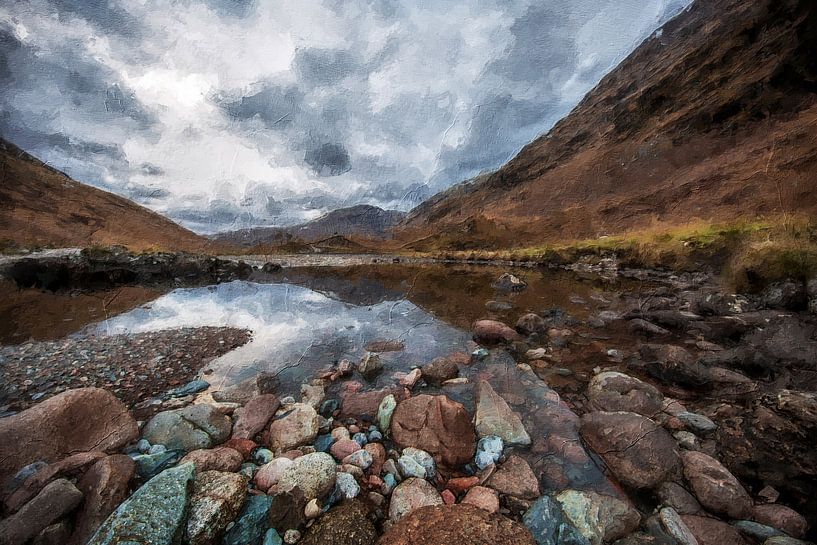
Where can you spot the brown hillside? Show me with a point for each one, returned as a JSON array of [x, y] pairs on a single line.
[[714, 118], [40, 206]]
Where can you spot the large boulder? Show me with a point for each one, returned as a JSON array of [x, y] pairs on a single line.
[[715, 487], [611, 391], [57, 499], [154, 514], [494, 417], [411, 495], [638, 452], [191, 428], [437, 425], [104, 486], [216, 501], [461, 524], [252, 418], [74, 421], [299, 425], [346, 524], [493, 332], [601, 519]]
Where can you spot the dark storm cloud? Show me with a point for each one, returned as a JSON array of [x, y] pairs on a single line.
[[321, 67], [105, 14], [328, 159]]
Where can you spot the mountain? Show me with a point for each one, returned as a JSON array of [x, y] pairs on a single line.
[[361, 221], [712, 118], [41, 206]]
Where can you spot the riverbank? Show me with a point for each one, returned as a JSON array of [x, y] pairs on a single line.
[[134, 368]]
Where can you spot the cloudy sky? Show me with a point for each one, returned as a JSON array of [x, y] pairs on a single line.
[[225, 114]]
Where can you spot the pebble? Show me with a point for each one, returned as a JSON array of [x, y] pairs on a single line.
[[329, 406], [312, 509], [360, 438], [424, 459], [375, 437], [389, 482], [361, 458], [385, 411], [157, 449], [697, 422], [489, 450], [347, 485], [324, 442], [292, 536], [409, 467], [263, 456], [756, 530], [272, 538], [143, 446], [341, 433]]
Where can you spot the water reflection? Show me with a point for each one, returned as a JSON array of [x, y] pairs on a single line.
[[294, 327]]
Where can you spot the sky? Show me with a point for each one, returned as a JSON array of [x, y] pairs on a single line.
[[226, 114]]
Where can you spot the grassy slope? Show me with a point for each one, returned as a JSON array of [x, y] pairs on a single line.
[[40, 206], [714, 122]]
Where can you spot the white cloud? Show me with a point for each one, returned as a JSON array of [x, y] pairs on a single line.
[[221, 102]]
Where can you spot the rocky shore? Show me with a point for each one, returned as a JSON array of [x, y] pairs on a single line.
[[135, 368], [699, 432]]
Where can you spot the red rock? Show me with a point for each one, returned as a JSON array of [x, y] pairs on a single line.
[[343, 448], [244, 446], [448, 497], [484, 498], [215, 459], [293, 454], [104, 486], [638, 452], [409, 379], [270, 473], [460, 358], [57, 499], [715, 487], [355, 404], [254, 416], [709, 531], [782, 518], [378, 453], [74, 421], [458, 485], [515, 478], [375, 481], [71, 466], [459, 524], [439, 370], [493, 332], [437, 425]]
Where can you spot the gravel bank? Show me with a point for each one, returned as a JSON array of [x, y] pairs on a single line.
[[133, 367]]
